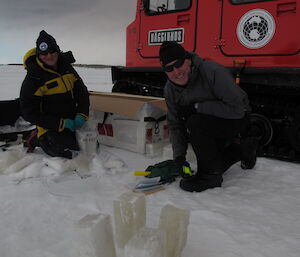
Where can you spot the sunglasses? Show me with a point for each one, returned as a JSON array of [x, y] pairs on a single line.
[[176, 65], [48, 52]]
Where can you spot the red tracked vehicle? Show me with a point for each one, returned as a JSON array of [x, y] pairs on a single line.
[[257, 40]]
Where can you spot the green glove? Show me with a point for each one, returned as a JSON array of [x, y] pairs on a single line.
[[69, 124], [164, 170], [79, 121]]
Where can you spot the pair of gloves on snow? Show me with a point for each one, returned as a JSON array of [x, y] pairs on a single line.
[[170, 169], [77, 123]]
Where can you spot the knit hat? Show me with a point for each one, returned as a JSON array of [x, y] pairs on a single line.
[[46, 44], [170, 51]]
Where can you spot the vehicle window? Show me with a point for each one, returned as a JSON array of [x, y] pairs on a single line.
[[247, 1], [162, 6]]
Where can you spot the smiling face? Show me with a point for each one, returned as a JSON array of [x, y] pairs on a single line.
[[179, 74], [49, 59]]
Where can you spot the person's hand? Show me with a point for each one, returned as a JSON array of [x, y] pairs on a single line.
[[69, 124], [164, 170], [182, 167], [79, 121]]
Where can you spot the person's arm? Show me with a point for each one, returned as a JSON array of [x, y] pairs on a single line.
[[31, 106], [230, 99], [177, 129], [81, 97]]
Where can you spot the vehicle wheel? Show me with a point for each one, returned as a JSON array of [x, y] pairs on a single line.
[[260, 127]]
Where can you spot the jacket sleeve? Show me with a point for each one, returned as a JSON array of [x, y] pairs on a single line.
[[30, 105], [230, 100], [81, 97], [178, 133]]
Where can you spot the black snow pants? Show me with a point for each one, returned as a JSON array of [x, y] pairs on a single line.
[[59, 144], [215, 142]]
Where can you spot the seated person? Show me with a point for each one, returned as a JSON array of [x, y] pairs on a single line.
[[53, 97]]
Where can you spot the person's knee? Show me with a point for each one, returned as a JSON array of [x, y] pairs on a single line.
[[195, 121], [47, 145], [58, 145]]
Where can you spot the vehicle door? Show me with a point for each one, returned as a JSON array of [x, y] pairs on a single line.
[[166, 20]]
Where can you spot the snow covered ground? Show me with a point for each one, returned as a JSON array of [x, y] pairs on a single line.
[[255, 213]]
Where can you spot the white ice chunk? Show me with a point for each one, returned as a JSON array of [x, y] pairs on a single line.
[[147, 242], [81, 164], [112, 163], [87, 138], [72, 184], [130, 215], [19, 164], [33, 170], [57, 163], [97, 167], [174, 222], [96, 233], [8, 158]]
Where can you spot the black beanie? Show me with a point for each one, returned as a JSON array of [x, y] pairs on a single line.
[[170, 51], [46, 44]]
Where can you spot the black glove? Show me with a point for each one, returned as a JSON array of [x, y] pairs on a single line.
[[164, 170], [182, 167]]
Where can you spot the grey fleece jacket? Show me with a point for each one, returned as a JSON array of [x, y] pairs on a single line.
[[210, 90]]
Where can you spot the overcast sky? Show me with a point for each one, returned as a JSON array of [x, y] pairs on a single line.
[[93, 29]]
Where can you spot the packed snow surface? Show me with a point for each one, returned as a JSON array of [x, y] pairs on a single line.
[[255, 213]]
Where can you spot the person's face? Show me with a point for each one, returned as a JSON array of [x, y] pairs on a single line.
[[49, 58], [178, 71]]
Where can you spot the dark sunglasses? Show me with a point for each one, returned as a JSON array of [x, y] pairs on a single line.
[[48, 52], [176, 65]]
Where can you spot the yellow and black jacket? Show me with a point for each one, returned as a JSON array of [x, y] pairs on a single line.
[[47, 96]]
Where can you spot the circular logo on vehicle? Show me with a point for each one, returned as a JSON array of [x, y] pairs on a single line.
[[256, 28], [43, 46]]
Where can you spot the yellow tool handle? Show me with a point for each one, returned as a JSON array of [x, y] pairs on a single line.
[[141, 173]]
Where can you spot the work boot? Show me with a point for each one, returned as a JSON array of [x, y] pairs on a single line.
[[249, 147], [199, 183]]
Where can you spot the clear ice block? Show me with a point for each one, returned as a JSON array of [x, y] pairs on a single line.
[[130, 215], [96, 233], [147, 242], [174, 222], [87, 139]]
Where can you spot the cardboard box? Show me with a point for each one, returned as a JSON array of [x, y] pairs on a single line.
[[136, 123]]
